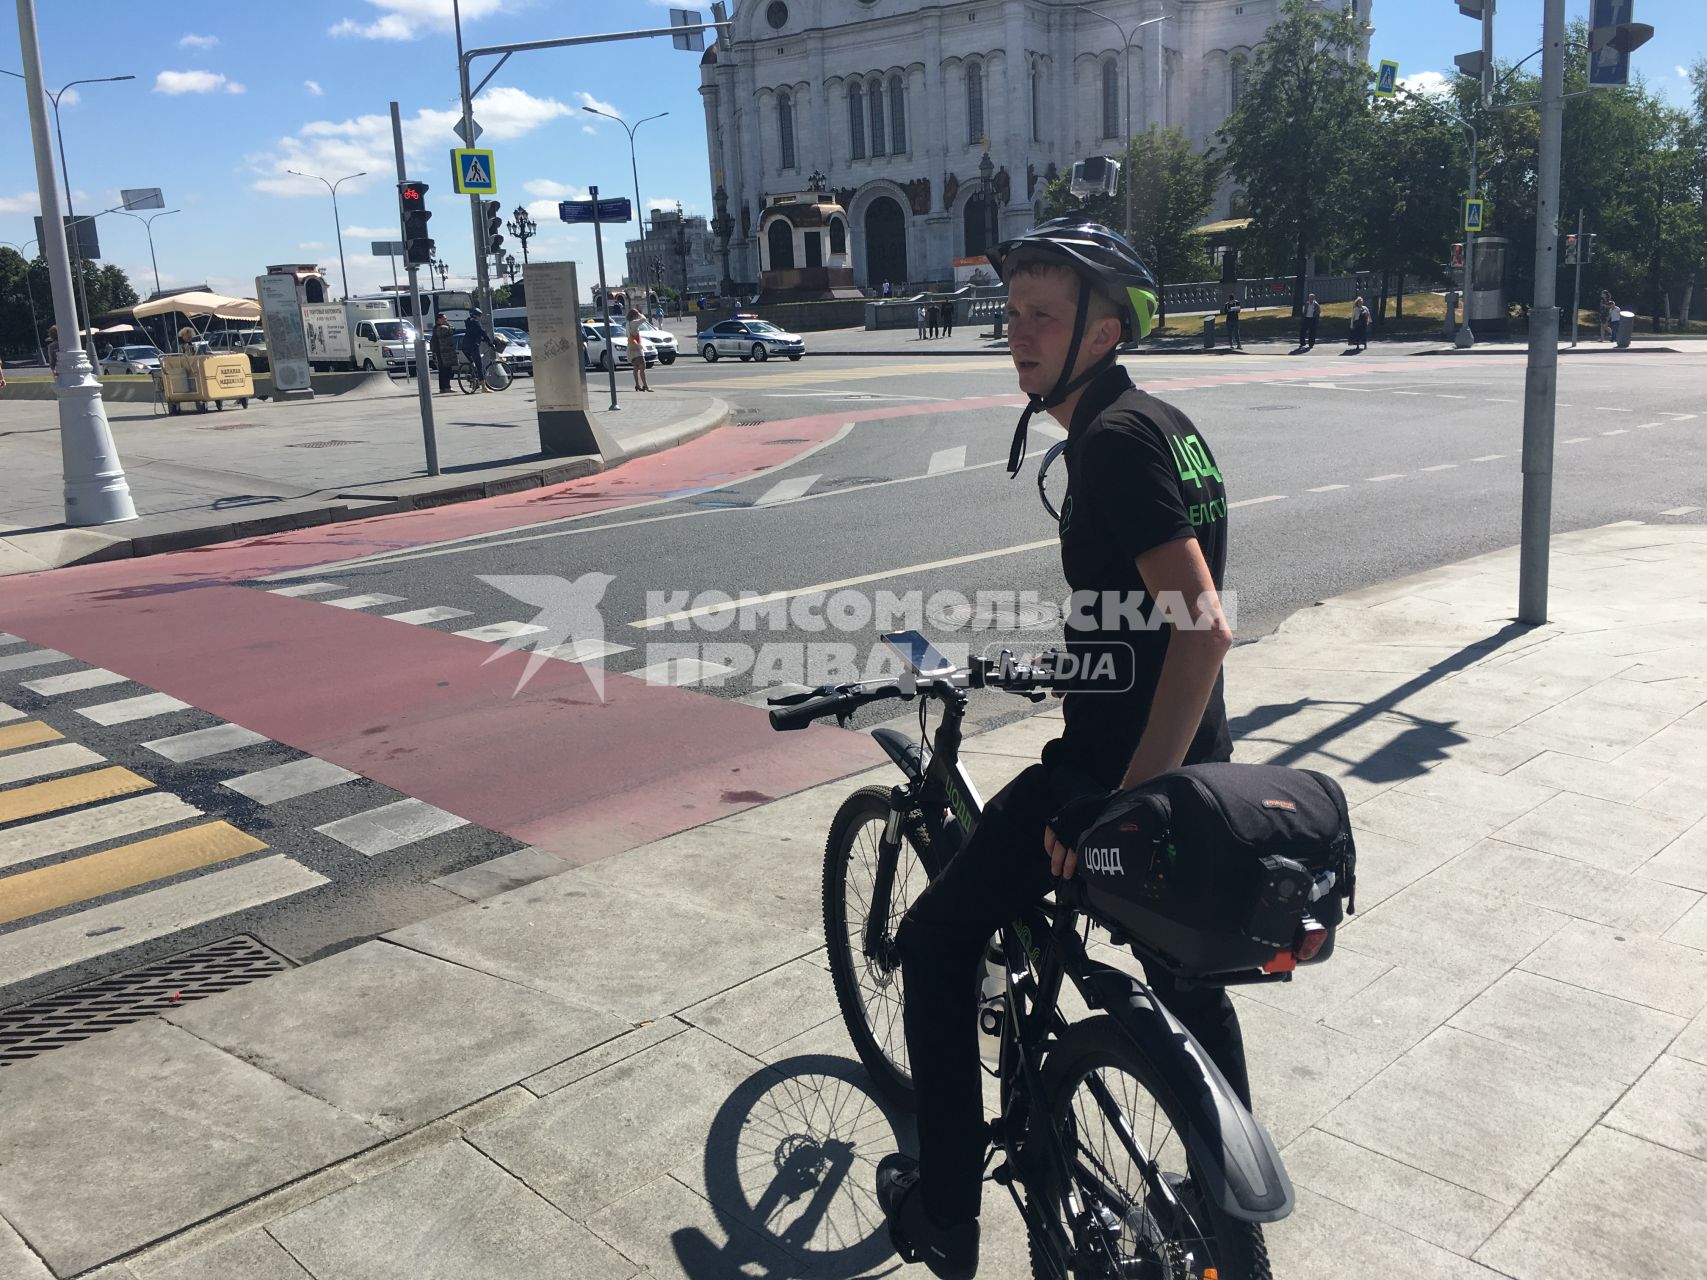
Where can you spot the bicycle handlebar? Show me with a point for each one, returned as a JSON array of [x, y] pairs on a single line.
[[797, 710]]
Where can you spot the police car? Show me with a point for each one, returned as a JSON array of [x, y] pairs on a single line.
[[748, 338]]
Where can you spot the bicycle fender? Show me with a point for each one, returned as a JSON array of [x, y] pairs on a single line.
[[1228, 1143], [909, 757]]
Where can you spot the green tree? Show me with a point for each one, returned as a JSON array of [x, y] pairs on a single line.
[[18, 278], [1289, 143], [116, 290], [1173, 189]]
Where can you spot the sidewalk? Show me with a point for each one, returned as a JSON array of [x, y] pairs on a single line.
[[635, 1067], [204, 478]]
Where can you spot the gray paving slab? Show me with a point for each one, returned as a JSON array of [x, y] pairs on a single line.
[[1565, 885], [770, 1008], [593, 1142], [673, 1231], [1691, 931], [1682, 862], [1599, 832], [1441, 1212], [1450, 829], [1593, 728], [1562, 1023], [1680, 797], [811, 810], [1401, 1007], [1605, 780], [501, 874], [17, 1260], [1473, 1112], [254, 1255], [1667, 1106], [1325, 1240], [1670, 750], [1501, 796], [578, 939], [1318, 991], [1692, 1043], [393, 1036], [1615, 1206], [1471, 934], [211, 1130], [1300, 1070], [1386, 864], [449, 1215], [1631, 966], [603, 1055]]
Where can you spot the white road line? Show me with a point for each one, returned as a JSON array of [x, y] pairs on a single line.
[[6, 638], [127, 709], [1643, 426], [306, 589], [1397, 475], [501, 631], [287, 781], [1443, 466], [1488, 457], [1328, 488], [584, 650], [9, 713], [34, 658], [44, 838], [84, 935], [1407, 393], [1441, 395], [786, 490], [1609, 408], [824, 587], [438, 613], [946, 460], [73, 682], [1620, 431], [1562, 405], [1497, 400], [391, 826], [680, 672], [1051, 429], [44, 761], [1251, 502], [199, 744], [1677, 417], [1681, 511], [361, 602], [1576, 440]]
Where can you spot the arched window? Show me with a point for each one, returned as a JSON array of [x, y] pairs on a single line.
[[838, 237], [785, 128], [779, 239], [897, 116], [875, 94], [1036, 105], [974, 103], [1110, 100], [1237, 76], [856, 120]]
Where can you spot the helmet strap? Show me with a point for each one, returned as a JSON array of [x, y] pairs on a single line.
[[1065, 385]]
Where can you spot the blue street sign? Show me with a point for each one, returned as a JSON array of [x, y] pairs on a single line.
[[1473, 215], [1388, 85], [472, 172], [1607, 67], [616, 209]]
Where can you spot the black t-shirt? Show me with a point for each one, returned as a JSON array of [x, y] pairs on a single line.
[[1139, 474]]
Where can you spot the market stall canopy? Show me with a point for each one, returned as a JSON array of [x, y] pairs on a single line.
[[199, 304]]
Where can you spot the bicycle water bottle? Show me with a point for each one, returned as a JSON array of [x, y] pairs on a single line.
[[992, 1009]]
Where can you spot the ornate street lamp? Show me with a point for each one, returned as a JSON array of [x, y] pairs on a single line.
[[724, 227], [987, 191], [523, 228]]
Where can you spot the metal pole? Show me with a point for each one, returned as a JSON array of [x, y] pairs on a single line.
[[148, 225], [95, 488], [338, 226], [1541, 387], [1126, 147], [1577, 292], [1467, 338], [482, 284], [422, 389], [87, 341], [604, 301]]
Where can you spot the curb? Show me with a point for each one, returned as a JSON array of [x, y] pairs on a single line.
[[72, 546], [1563, 351]]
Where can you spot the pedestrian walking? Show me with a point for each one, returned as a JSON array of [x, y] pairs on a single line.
[[637, 349], [444, 350], [935, 318], [2, 373], [1231, 311], [948, 319], [1608, 316], [1359, 325], [887, 291], [1308, 322], [53, 346], [919, 314]]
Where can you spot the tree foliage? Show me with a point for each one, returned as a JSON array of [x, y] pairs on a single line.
[[108, 287]]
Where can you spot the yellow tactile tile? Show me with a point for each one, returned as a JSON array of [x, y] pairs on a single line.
[[28, 734], [67, 793]]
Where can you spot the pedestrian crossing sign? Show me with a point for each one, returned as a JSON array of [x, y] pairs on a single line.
[[1473, 210], [471, 168], [1388, 85]]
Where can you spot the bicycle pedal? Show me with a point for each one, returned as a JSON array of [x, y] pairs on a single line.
[[1003, 1174]]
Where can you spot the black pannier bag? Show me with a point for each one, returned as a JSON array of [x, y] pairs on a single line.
[[1224, 868]]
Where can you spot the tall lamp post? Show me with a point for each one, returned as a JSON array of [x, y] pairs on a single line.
[[30, 293], [443, 268], [682, 252], [523, 228], [633, 166], [724, 227], [337, 221], [1126, 39], [148, 222]]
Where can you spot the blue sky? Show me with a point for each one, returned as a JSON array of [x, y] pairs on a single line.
[[227, 96]]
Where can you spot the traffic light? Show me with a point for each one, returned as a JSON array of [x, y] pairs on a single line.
[[1612, 36], [492, 218], [1458, 257], [417, 244], [1588, 246], [1571, 251], [1480, 62]]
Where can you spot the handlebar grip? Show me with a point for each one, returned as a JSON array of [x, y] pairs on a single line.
[[802, 714]]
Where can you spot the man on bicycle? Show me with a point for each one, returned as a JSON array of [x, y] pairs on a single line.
[[1144, 526], [474, 339]]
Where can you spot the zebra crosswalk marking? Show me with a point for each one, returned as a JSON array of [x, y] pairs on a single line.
[[125, 710], [64, 793], [22, 766], [45, 837], [74, 682]]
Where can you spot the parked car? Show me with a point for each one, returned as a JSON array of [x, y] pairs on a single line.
[[662, 339], [249, 342], [748, 338], [593, 335], [143, 360], [518, 350]]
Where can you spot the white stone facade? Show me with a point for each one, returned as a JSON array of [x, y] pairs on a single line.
[[930, 82]]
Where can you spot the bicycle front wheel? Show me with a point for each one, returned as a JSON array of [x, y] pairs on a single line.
[[498, 376], [1131, 1204], [862, 881]]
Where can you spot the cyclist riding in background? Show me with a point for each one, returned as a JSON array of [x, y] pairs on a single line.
[[1144, 522], [474, 340]]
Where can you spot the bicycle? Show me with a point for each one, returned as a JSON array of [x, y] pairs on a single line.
[[1131, 1071], [496, 374]]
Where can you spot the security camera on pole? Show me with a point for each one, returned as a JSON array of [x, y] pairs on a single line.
[[96, 491]]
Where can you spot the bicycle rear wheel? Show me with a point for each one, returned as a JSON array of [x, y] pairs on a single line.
[[1132, 1205], [869, 988], [465, 379]]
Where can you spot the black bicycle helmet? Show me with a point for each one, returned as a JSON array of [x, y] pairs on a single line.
[[1105, 263]]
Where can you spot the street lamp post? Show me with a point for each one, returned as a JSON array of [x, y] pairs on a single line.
[[724, 226], [633, 166], [682, 252], [337, 221], [987, 192], [1126, 39], [148, 222], [523, 228], [30, 293], [443, 268]]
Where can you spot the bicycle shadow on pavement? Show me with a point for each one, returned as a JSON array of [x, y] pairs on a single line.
[[790, 1170]]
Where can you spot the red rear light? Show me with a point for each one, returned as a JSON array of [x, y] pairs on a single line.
[[1314, 936]]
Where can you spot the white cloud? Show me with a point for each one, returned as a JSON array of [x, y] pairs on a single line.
[[176, 82], [313, 88], [232, 86], [1683, 72], [193, 41], [411, 19], [23, 202], [587, 128], [70, 98], [1430, 84], [334, 147], [556, 190], [371, 233], [588, 100], [312, 245]]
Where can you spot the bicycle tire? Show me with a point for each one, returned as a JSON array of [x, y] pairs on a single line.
[[499, 377], [859, 813], [465, 381], [1236, 1248]]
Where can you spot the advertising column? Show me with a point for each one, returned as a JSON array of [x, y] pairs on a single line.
[[287, 343], [559, 365]]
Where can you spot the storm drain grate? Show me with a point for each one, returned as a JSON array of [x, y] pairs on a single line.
[[79, 1012], [320, 444]]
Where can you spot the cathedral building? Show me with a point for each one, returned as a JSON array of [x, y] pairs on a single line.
[[891, 105]]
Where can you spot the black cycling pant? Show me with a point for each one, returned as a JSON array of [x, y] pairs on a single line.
[[998, 873]]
